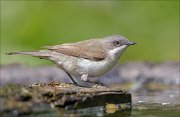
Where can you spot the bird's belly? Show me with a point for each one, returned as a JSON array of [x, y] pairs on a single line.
[[78, 66], [93, 68]]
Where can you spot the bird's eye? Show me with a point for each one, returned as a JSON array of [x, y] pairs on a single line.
[[117, 43]]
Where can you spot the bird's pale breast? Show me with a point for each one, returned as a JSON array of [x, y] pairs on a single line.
[[78, 66]]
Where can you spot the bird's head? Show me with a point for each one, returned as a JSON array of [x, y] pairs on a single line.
[[116, 44]]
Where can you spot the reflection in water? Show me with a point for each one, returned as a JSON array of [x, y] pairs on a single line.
[[97, 112]]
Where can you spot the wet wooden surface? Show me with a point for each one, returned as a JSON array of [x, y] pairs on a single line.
[[46, 97]]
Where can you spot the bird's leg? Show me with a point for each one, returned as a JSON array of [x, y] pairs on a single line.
[[80, 82], [71, 78]]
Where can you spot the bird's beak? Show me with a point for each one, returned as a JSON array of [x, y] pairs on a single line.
[[130, 43]]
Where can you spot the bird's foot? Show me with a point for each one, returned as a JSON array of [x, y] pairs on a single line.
[[96, 83]]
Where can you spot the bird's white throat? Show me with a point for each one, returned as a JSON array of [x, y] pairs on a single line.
[[117, 52]]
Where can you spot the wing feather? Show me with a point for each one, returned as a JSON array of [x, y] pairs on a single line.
[[83, 49]]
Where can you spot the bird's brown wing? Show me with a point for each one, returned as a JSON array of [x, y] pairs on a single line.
[[92, 50]]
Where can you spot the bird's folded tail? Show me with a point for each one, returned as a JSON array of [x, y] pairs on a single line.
[[40, 54]]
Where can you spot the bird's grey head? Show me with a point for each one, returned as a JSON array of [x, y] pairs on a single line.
[[116, 44]]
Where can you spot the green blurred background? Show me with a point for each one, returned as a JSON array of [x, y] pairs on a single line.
[[29, 25]]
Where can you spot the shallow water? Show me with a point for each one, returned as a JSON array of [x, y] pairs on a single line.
[[156, 104]]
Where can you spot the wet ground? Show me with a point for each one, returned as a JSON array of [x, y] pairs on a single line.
[[154, 89]]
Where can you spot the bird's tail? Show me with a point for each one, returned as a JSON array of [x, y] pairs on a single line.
[[40, 54]]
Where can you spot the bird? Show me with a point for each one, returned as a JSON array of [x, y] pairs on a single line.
[[84, 59]]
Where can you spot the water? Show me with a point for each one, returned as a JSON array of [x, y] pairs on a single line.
[[156, 104]]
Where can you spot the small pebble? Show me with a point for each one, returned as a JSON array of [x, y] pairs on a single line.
[[110, 108]]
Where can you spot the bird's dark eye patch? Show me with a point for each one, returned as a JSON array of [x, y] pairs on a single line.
[[117, 43]]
